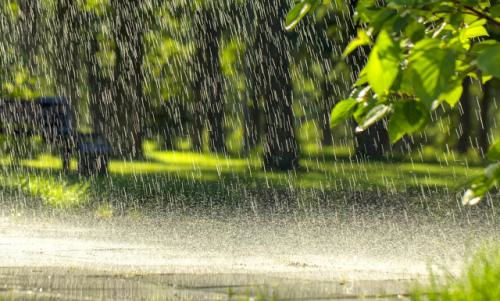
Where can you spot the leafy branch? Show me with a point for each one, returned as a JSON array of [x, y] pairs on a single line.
[[417, 61], [478, 13]]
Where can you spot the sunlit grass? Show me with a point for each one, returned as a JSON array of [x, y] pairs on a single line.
[[203, 160], [47, 162], [173, 171], [314, 149], [433, 154], [53, 191], [479, 281]]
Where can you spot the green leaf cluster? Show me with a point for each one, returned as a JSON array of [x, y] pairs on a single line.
[[423, 51]]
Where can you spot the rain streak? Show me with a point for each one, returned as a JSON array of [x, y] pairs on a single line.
[[249, 150]]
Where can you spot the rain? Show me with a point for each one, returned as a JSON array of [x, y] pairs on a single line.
[[248, 150]]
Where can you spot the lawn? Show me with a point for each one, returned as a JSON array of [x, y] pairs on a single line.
[[167, 173]]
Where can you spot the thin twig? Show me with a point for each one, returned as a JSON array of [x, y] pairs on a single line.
[[478, 13]]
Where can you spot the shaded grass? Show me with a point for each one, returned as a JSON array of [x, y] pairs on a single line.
[[479, 281], [192, 178]]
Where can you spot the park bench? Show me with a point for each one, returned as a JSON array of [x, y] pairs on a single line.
[[52, 119]]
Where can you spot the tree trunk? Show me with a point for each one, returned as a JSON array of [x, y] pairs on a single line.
[[66, 59], [275, 85], [99, 89], [326, 131], [198, 116], [129, 107], [252, 122], [252, 128], [465, 111], [328, 102], [208, 75], [489, 94], [30, 37], [215, 111], [373, 143]]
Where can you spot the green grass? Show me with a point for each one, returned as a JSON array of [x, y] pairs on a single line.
[[480, 281], [167, 175], [53, 191]]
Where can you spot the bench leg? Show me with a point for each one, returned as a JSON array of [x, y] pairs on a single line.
[[66, 160]]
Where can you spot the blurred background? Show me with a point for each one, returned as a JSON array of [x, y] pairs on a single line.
[[204, 92]]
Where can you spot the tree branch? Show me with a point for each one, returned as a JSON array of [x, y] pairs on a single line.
[[478, 13]]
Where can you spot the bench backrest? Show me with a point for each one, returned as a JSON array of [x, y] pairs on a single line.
[[50, 117]]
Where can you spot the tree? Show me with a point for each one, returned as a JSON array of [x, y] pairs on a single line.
[[22, 33], [30, 31], [323, 41], [252, 124], [421, 52], [487, 101], [275, 86], [100, 97], [66, 58], [129, 104], [208, 79], [465, 110], [168, 72]]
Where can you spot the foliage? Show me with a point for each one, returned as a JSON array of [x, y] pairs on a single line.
[[21, 85], [421, 52], [478, 282]]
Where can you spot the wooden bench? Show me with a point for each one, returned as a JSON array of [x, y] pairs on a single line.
[[52, 118]]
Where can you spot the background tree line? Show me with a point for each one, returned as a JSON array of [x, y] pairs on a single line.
[[218, 76]]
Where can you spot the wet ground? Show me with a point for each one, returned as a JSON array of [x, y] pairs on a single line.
[[77, 284], [171, 256]]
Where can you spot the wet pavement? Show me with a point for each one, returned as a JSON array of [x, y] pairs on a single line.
[[175, 257], [79, 284]]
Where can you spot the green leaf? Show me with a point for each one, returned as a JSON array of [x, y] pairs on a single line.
[[362, 39], [494, 151], [408, 117], [478, 188], [381, 16], [361, 110], [415, 31], [452, 97], [486, 78], [495, 11], [298, 12], [488, 60], [362, 78], [12, 9], [492, 171], [430, 70], [383, 64], [378, 112], [365, 10], [471, 197], [361, 94], [473, 32], [342, 111]]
